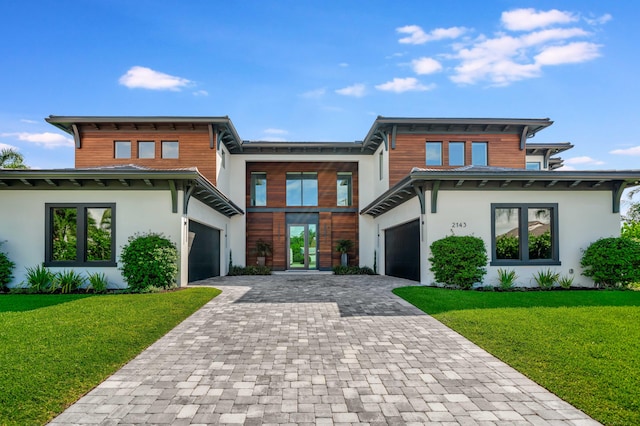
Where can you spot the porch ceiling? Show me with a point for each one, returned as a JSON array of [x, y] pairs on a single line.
[[493, 179]]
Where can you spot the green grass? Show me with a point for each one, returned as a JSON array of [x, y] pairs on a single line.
[[55, 348], [584, 346]]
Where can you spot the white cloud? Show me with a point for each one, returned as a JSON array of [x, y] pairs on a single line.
[[568, 54], [200, 93], [273, 131], [529, 19], [46, 139], [418, 36], [544, 36], [583, 160], [7, 146], [145, 78], [343, 64], [600, 20], [357, 90], [24, 120], [627, 151], [400, 85], [426, 65], [314, 94]]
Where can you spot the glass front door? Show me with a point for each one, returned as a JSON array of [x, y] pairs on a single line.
[[302, 246]]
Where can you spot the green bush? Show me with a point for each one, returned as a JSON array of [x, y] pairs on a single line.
[[97, 282], [69, 281], [565, 281], [612, 262], [352, 270], [546, 279], [507, 247], [506, 278], [459, 260], [235, 270], [41, 279], [6, 270], [631, 230], [149, 260]]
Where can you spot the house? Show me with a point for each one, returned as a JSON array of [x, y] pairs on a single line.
[[408, 183]]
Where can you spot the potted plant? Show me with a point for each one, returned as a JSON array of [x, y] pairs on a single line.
[[263, 249], [343, 247]]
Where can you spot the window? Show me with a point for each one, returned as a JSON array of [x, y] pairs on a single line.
[[146, 149], [258, 189], [533, 165], [381, 164], [344, 189], [222, 159], [524, 234], [80, 235], [302, 189], [456, 153], [169, 149], [434, 153], [122, 149], [479, 153]]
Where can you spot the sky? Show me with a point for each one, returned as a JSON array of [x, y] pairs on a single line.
[[324, 70]]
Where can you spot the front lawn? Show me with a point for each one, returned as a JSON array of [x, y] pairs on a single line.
[[584, 346], [55, 348]]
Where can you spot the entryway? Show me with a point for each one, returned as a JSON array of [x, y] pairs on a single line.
[[302, 245]]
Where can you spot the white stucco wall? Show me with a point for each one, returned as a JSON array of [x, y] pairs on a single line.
[[22, 223], [583, 217]]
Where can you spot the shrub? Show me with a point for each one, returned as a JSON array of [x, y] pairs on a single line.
[[149, 260], [459, 260], [6, 270], [612, 262], [352, 270], [69, 281], [235, 270], [41, 279], [97, 282], [546, 279], [565, 281], [631, 230], [507, 247], [506, 278]]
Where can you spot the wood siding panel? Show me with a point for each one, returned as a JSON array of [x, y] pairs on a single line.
[[325, 242], [260, 227], [344, 227], [503, 150], [279, 231], [97, 149]]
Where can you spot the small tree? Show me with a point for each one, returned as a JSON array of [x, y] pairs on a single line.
[[612, 262], [459, 260], [149, 260], [6, 269], [10, 158]]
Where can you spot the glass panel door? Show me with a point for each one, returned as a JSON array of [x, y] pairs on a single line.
[[302, 244]]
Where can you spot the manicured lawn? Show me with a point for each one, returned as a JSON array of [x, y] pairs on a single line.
[[55, 348], [584, 346]]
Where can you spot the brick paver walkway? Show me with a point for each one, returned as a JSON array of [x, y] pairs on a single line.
[[316, 349]]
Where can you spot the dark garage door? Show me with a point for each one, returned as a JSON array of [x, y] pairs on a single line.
[[204, 254], [402, 251]]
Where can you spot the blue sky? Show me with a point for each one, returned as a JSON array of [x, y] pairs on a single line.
[[323, 70]]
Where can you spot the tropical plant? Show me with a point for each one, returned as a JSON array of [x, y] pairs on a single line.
[[148, 260], [459, 260], [506, 278], [64, 233], [69, 281], [6, 269], [263, 248], [546, 278], [97, 282], [612, 262], [343, 246], [40, 279], [565, 281], [10, 158]]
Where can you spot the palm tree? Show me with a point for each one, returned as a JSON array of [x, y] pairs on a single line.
[[10, 158]]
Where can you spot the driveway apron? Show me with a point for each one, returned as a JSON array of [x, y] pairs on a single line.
[[317, 350]]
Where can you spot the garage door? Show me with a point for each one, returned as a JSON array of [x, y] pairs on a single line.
[[204, 251], [402, 251]]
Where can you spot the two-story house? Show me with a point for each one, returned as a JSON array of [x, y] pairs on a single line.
[[408, 183]]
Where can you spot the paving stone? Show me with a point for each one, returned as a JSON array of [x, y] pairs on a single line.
[[316, 349]]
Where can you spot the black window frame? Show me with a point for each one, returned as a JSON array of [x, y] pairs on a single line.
[[301, 176], [81, 235], [523, 226]]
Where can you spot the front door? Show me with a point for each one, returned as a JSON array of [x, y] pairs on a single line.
[[301, 243]]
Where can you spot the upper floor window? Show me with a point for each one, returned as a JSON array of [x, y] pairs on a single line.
[[479, 153], [456, 153], [302, 189], [524, 234], [80, 234], [258, 189], [122, 149], [146, 149], [344, 190], [533, 165], [434, 153], [169, 149]]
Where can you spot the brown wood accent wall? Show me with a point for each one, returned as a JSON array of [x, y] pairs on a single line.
[[503, 150], [97, 149], [332, 225]]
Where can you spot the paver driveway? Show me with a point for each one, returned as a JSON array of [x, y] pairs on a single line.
[[316, 349]]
